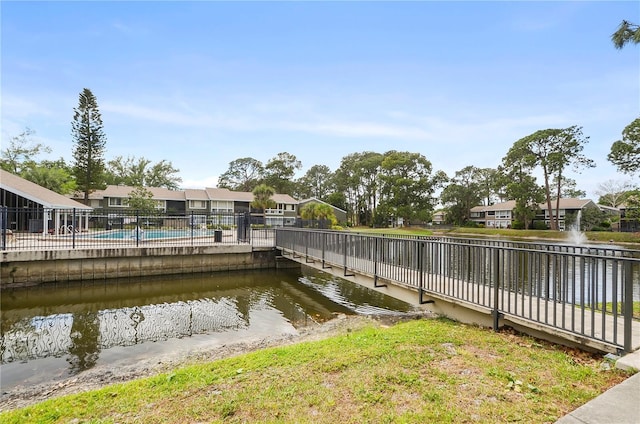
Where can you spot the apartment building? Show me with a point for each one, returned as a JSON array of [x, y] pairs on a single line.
[[500, 215], [208, 201]]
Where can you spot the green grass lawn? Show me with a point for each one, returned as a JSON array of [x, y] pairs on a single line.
[[608, 308], [417, 371], [412, 231], [594, 236]]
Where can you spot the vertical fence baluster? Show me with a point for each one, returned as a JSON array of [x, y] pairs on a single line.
[[137, 228], [628, 305], [375, 262], [73, 230], [193, 224], [5, 227], [496, 287]]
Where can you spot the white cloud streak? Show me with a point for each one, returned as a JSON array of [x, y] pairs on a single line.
[[400, 126]]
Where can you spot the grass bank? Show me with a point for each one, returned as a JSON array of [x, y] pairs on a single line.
[[593, 236], [413, 372], [632, 240], [412, 231]]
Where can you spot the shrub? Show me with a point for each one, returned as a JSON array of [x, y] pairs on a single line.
[[517, 225], [600, 228], [539, 225]]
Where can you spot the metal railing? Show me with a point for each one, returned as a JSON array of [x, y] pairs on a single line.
[[40, 229], [582, 290]]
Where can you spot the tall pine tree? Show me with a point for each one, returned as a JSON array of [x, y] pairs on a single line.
[[90, 141]]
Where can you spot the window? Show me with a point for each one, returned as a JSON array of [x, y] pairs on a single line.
[[118, 201], [219, 206], [197, 204]]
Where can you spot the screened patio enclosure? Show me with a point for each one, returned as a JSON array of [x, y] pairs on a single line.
[[28, 207]]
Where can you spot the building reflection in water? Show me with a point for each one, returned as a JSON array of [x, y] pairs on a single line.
[[79, 320]]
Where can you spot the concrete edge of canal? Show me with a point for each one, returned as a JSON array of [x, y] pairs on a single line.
[[26, 268]]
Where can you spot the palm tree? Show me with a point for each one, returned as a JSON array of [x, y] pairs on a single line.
[[626, 33], [309, 211], [262, 197], [325, 212], [318, 211]]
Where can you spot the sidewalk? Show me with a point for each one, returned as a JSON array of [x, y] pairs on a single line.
[[618, 405]]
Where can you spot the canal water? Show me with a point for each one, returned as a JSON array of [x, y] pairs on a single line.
[[52, 332]]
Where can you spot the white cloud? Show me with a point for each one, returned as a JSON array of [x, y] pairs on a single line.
[[154, 114], [243, 121]]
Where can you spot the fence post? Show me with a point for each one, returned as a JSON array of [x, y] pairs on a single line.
[[73, 230], [247, 228], [306, 247], [344, 255], [346, 274], [137, 228], [375, 262], [496, 287], [628, 304], [324, 242], [420, 270], [376, 258], [193, 224], [324, 251], [5, 216]]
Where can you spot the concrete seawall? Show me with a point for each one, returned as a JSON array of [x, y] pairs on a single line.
[[21, 268]]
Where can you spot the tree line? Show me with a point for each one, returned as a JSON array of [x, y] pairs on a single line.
[[377, 188]]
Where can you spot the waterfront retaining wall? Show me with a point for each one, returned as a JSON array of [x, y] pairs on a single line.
[[20, 268]]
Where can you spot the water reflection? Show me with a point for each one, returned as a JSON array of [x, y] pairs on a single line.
[[79, 322], [84, 348], [579, 275]]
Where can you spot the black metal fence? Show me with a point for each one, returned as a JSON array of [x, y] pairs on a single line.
[[41, 229], [588, 291]]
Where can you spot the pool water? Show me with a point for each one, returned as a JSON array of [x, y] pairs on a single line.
[[151, 234]]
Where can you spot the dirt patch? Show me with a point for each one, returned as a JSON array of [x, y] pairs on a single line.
[[104, 375]]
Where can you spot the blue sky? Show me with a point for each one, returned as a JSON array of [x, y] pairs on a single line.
[[204, 83]]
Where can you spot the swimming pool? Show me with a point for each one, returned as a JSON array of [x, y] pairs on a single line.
[[150, 234]]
